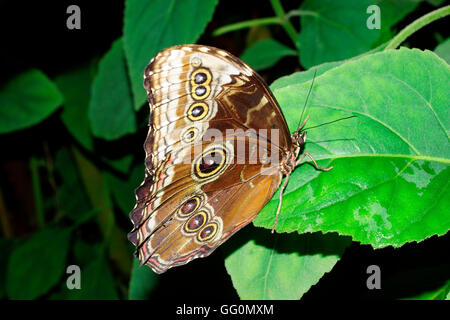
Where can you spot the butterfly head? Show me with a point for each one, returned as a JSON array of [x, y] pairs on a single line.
[[299, 136], [299, 139]]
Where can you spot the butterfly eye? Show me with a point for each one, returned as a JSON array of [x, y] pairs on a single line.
[[196, 222], [189, 206], [208, 232]]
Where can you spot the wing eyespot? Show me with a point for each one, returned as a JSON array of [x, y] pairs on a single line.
[[198, 111], [210, 163], [207, 232], [190, 135], [200, 83], [196, 62], [189, 207], [196, 222]]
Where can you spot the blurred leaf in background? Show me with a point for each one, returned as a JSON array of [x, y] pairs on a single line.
[[111, 112], [75, 85], [27, 99], [266, 53], [38, 264]]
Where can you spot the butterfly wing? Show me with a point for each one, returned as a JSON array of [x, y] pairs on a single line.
[[200, 188]]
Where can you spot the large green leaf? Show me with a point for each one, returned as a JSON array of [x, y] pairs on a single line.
[[26, 100], [265, 53], [37, 265], [391, 170], [284, 266], [75, 85], [337, 30], [111, 107], [151, 26], [303, 76]]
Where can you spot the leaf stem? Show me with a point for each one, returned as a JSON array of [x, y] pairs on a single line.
[[418, 24], [287, 25], [246, 24], [281, 19], [298, 13]]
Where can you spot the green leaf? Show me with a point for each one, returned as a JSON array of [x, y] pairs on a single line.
[[97, 281], [441, 293], [430, 279], [122, 189], [75, 85], [142, 282], [6, 246], [436, 2], [391, 12], [264, 54], [26, 100], [150, 26], [37, 265], [120, 164], [303, 76], [443, 50], [111, 106], [391, 170], [284, 266], [72, 198], [337, 30]]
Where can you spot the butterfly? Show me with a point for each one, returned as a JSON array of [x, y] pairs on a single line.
[[216, 151]]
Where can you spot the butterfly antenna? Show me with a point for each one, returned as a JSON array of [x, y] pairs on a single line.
[[307, 97], [330, 122]]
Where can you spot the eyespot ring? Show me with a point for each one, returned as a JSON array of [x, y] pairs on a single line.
[[200, 92], [196, 62], [205, 167], [198, 111], [189, 206], [190, 134], [201, 76], [207, 232], [198, 220]]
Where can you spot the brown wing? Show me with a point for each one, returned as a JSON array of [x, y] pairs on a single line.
[[196, 186]]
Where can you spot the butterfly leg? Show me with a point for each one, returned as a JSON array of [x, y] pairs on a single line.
[[314, 161], [280, 201]]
